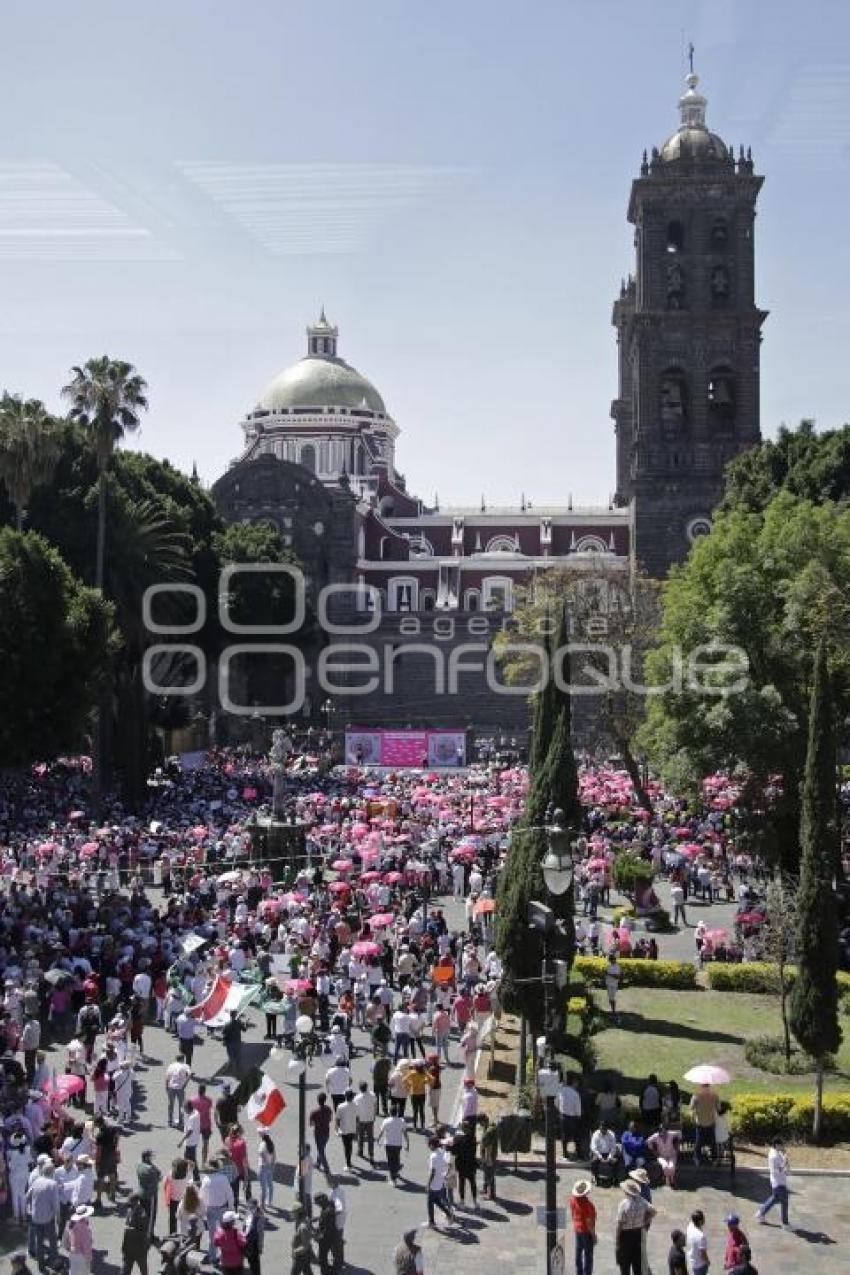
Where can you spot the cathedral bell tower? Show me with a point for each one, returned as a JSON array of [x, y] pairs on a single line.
[[689, 332]]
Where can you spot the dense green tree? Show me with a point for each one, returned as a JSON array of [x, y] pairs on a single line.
[[814, 996], [553, 784], [55, 637], [29, 449], [815, 467], [734, 662]]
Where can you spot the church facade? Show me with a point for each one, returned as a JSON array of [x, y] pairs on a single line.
[[319, 449]]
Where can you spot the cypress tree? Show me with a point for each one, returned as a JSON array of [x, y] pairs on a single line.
[[814, 999]]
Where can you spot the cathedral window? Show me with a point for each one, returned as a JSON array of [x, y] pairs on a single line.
[[675, 237], [719, 287], [721, 396], [674, 398], [719, 234], [675, 286]]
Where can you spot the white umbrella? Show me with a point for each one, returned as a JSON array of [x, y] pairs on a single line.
[[707, 1074]]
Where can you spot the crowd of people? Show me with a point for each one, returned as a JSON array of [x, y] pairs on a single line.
[[378, 935]]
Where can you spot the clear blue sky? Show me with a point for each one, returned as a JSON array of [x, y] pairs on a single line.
[[183, 182]]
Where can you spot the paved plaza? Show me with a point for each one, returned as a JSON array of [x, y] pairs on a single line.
[[506, 1236]]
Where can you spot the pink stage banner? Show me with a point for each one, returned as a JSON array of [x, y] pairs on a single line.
[[404, 748], [409, 748]]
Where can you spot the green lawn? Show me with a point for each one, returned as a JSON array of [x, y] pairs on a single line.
[[668, 1032]]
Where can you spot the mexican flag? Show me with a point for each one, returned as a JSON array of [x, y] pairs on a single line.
[[224, 996], [266, 1102]]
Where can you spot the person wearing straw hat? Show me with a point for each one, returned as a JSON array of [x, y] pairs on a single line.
[[633, 1217], [583, 1214], [77, 1242]]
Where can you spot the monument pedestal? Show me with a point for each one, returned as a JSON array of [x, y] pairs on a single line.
[[281, 846]]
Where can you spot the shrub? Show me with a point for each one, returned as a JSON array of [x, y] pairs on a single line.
[[766, 1116], [674, 975], [768, 1054], [630, 871], [758, 976], [625, 909]]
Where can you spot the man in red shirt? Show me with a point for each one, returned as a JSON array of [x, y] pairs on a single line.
[[203, 1105], [736, 1242], [583, 1214]]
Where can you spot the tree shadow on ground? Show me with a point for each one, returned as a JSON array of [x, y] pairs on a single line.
[[630, 1021]]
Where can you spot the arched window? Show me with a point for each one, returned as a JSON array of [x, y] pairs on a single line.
[[428, 599], [308, 457], [591, 544], [675, 237], [502, 544], [719, 234], [472, 600], [673, 398], [721, 396]]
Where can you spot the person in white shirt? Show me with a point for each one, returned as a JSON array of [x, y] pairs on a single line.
[[604, 1154], [337, 1081], [177, 1075], [400, 1028], [346, 1124], [569, 1109], [366, 1106], [338, 1044], [394, 1134], [696, 1245], [217, 1197], [777, 1167], [438, 1165]]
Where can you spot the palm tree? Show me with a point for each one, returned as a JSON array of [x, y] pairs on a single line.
[[106, 397], [29, 449]]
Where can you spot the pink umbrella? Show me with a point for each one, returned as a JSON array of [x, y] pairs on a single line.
[[77, 814], [750, 918], [295, 986], [598, 863], [463, 854], [715, 935], [393, 878], [368, 877], [382, 919], [64, 1086], [366, 948], [89, 850], [342, 865], [691, 852], [339, 887], [682, 832]]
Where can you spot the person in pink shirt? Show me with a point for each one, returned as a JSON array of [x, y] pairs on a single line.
[[230, 1242], [237, 1149], [462, 1010]]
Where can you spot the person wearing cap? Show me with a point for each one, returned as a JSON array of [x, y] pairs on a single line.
[[583, 1215], [77, 1242], [736, 1242], [136, 1241], [408, 1258], [633, 1217], [229, 1239], [217, 1199]]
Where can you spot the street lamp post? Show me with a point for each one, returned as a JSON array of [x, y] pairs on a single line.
[[557, 869], [298, 1067]]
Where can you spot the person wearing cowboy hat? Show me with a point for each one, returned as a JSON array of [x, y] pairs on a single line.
[[583, 1215], [633, 1217], [642, 1178], [77, 1241]]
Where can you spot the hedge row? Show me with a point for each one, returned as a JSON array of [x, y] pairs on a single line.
[[785, 1115], [757, 976], [673, 975]]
